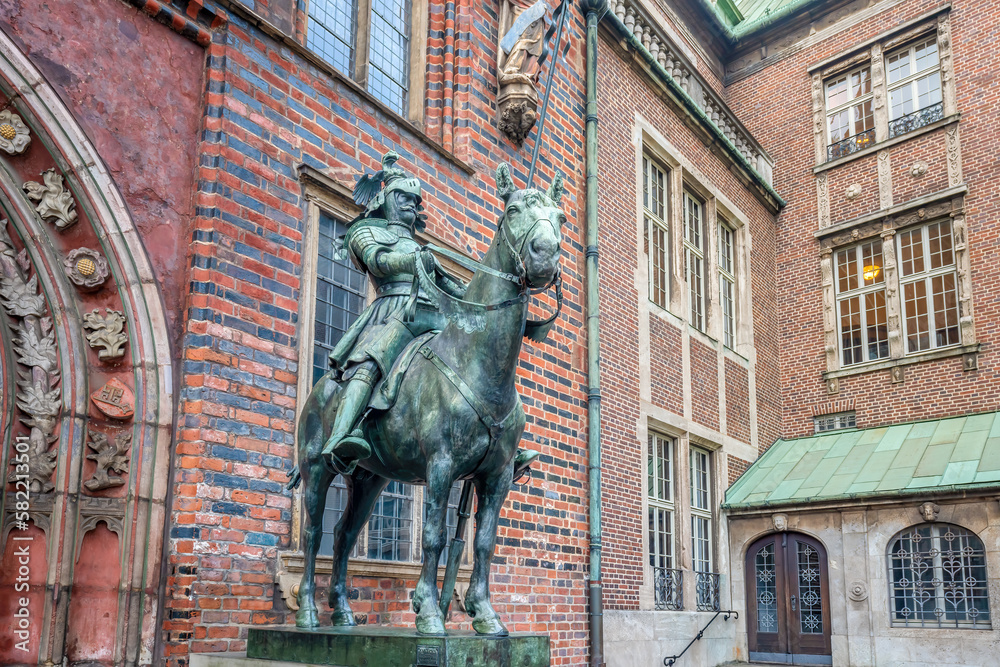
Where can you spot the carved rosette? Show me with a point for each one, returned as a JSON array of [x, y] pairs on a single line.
[[86, 268], [38, 394], [55, 203], [858, 591], [14, 135]]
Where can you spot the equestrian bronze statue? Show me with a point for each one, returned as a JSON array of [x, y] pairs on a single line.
[[421, 388]]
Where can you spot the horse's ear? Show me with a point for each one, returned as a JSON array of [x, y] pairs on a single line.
[[556, 189], [505, 184]]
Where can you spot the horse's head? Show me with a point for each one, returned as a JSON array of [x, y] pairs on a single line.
[[532, 226]]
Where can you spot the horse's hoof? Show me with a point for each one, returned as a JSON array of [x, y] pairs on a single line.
[[342, 618], [306, 619], [489, 626], [430, 626]]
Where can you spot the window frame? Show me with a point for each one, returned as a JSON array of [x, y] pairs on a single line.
[[360, 67], [730, 320], [849, 106], [861, 292], [657, 226], [697, 315], [700, 513], [654, 502], [937, 570], [927, 276], [912, 79]]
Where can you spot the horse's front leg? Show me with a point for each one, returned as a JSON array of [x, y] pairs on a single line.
[[491, 492], [430, 620], [315, 482]]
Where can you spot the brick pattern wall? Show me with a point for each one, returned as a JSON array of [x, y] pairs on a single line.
[[931, 389], [737, 467], [268, 108], [704, 384], [737, 401], [624, 95]]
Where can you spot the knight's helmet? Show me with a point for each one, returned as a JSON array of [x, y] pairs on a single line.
[[371, 189]]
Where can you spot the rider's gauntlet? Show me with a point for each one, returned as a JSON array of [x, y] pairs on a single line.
[[395, 263]]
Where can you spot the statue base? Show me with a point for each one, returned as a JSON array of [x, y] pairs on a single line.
[[374, 646]]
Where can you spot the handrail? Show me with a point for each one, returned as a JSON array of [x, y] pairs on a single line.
[[671, 659]]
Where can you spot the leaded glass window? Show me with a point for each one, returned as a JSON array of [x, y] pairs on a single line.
[[656, 205], [694, 258], [929, 286], [336, 28], [810, 615], [937, 578], [861, 310]]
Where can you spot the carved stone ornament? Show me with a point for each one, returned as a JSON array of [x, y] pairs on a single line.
[[853, 191], [114, 400], [780, 522], [929, 511], [86, 268], [38, 394], [518, 63], [14, 134], [833, 386], [858, 591], [55, 203], [517, 111], [918, 169], [897, 374], [107, 333], [970, 361], [110, 458]]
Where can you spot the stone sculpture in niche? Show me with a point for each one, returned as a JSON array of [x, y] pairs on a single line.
[[522, 26], [110, 458], [55, 203], [37, 395], [14, 134], [86, 268], [107, 333]]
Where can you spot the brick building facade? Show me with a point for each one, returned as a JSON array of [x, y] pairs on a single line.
[[182, 168]]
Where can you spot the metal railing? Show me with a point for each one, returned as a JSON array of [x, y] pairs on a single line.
[[706, 591], [850, 144], [668, 589], [671, 659], [917, 119]]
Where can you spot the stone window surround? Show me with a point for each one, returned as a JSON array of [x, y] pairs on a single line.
[[871, 52], [419, 17], [684, 176], [324, 194], [886, 223]]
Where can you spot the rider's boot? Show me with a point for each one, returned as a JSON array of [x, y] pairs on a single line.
[[523, 460], [347, 445]]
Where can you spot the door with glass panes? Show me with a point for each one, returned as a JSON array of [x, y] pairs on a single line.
[[788, 600]]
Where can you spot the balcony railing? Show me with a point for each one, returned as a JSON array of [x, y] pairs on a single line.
[[668, 589], [851, 144], [706, 591], [917, 119]]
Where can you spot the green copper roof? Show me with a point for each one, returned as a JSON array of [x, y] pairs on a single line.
[[941, 455], [757, 9]]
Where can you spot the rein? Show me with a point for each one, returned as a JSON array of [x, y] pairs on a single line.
[[469, 315]]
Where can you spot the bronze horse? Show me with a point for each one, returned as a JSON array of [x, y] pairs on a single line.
[[456, 416]]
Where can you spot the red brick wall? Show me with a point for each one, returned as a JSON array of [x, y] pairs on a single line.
[[623, 96], [931, 389], [269, 109], [737, 401]]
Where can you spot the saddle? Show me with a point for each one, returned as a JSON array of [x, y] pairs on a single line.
[[387, 389]]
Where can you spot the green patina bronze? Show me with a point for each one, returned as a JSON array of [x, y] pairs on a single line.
[[422, 388], [396, 647]]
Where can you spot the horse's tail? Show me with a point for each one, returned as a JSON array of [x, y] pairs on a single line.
[[294, 478]]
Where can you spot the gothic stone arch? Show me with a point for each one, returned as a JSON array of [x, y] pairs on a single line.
[[86, 407]]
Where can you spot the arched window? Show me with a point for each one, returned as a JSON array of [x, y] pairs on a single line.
[[937, 578]]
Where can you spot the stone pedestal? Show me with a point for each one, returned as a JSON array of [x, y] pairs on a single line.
[[396, 647]]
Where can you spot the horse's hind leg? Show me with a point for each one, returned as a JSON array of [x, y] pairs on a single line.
[[363, 489], [430, 620], [491, 492], [315, 482]]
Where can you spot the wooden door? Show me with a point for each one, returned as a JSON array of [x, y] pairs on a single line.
[[788, 600]]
